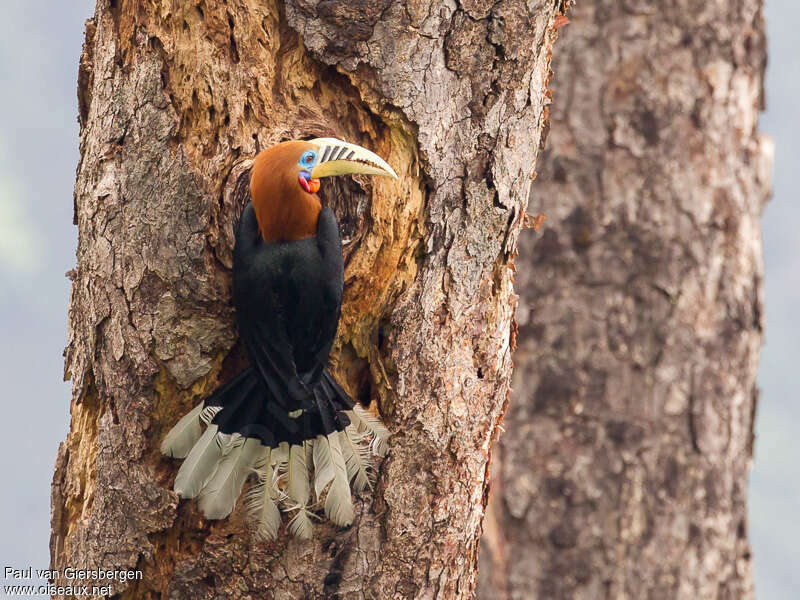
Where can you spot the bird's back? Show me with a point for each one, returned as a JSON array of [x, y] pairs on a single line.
[[293, 286]]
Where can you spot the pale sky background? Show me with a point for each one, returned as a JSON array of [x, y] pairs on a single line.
[[40, 43]]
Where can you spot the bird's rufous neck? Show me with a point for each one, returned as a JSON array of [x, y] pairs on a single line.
[[285, 219], [285, 211]]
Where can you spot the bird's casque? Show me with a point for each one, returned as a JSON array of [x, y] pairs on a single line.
[[285, 418]]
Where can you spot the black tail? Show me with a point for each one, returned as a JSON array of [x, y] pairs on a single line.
[[303, 459], [246, 407]]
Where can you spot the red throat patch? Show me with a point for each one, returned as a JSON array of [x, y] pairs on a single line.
[[311, 186]]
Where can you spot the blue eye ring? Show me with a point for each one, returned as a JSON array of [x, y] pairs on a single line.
[[308, 158]]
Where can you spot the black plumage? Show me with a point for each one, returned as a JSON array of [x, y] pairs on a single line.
[[288, 297]]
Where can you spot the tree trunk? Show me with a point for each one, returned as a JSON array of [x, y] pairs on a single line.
[[623, 471], [174, 99]]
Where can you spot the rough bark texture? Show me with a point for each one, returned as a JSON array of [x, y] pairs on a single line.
[[623, 469], [174, 98]]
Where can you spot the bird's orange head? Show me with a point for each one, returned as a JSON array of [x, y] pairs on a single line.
[[285, 181]]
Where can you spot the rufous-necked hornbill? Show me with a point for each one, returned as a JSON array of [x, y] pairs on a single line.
[[285, 418]]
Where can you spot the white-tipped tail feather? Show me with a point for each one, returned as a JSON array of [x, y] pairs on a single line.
[[208, 413], [357, 458], [200, 465], [180, 439], [331, 472], [363, 420], [219, 496], [260, 499], [297, 481], [298, 491], [217, 466]]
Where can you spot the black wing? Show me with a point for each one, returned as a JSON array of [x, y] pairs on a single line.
[[288, 299]]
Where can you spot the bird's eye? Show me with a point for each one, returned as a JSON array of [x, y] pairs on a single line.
[[308, 158]]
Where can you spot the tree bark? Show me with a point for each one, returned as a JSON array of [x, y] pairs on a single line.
[[623, 469], [174, 99]]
